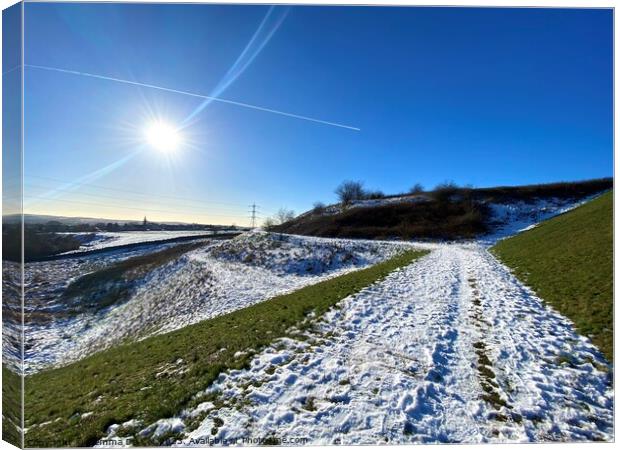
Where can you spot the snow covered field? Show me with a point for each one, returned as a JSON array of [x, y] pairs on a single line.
[[218, 278], [107, 239], [451, 348]]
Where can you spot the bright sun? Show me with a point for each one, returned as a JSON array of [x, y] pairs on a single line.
[[163, 137]]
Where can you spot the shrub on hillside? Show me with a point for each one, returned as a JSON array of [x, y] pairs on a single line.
[[374, 195], [268, 224], [444, 192], [416, 189], [318, 208], [349, 191]]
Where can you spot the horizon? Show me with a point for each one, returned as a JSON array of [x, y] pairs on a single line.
[[268, 112], [111, 219]]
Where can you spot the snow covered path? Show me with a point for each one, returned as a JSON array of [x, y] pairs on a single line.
[[451, 348]]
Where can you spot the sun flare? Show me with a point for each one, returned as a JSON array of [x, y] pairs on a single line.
[[163, 137]]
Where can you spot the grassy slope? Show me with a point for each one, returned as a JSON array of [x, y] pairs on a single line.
[[110, 383], [568, 261], [11, 406]]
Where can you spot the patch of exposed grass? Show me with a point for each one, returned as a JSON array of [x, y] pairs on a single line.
[[122, 383], [36, 245], [116, 283], [11, 406], [568, 261], [309, 404], [487, 378]]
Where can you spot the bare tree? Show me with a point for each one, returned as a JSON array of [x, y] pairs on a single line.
[[349, 191], [269, 223], [284, 215], [416, 189]]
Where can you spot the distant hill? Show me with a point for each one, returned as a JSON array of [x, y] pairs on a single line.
[[449, 212], [568, 261], [36, 219], [46, 235]]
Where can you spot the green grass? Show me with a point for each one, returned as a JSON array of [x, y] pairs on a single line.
[[568, 261], [122, 383], [11, 406]]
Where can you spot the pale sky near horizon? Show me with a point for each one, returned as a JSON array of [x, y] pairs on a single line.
[[478, 96]]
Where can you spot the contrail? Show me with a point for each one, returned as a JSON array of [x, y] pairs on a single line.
[[255, 45], [192, 94]]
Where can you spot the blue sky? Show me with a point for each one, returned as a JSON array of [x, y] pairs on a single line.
[[478, 96], [11, 110]]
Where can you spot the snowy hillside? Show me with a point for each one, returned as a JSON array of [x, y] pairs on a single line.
[[218, 278], [513, 217], [301, 255]]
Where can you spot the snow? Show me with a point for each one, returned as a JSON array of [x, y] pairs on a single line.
[[369, 203], [11, 315], [164, 426], [100, 240], [513, 217], [400, 362], [218, 278]]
